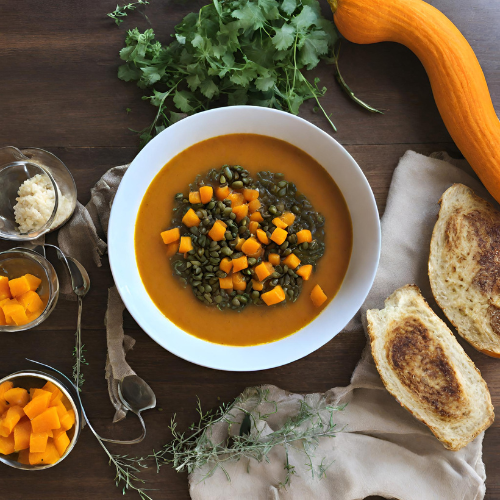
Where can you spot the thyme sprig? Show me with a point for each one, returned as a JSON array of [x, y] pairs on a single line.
[[200, 449], [79, 357], [121, 11]]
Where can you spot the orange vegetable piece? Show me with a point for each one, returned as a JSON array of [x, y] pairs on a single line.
[[24, 457], [250, 194], [226, 283], [171, 235], [190, 219], [4, 387], [253, 206], [292, 261], [3, 320], [226, 264], [279, 223], [17, 313], [318, 296], [53, 389], [38, 442], [256, 216], [222, 222], [239, 282], [263, 270], [288, 218], [18, 286], [217, 232], [239, 264], [251, 246], [239, 244], [304, 235], [222, 192], [61, 409], [274, 259], [4, 288], [17, 397], [206, 193], [305, 271], [237, 199], [274, 296], [257, 285], [279, 235], [252, 227], [46, 421], [31, 301], [22, 433], [241, 212], [40, 392], [172, 249], [49, 456], [262, 236], [7, 445], [10, 420], [38, 404], [186, 244], [61, 443], [33, 282], [68, 420], [194, 197]]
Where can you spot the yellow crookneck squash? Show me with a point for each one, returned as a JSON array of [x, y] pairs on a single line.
[[457, 81]]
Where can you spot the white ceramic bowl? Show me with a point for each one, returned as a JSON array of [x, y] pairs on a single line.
[[245, 119]]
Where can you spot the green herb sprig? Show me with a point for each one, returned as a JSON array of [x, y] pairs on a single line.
[[121, 11], [79, 358]]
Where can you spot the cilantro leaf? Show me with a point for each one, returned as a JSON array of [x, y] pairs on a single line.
[[284, 37], [181, 100]]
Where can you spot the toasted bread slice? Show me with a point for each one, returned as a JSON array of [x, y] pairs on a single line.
[[424, 367], [464, 267]]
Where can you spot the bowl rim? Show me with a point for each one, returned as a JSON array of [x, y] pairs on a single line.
[[191, 348]]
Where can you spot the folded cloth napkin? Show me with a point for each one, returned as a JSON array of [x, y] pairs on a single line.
[[381, 449]]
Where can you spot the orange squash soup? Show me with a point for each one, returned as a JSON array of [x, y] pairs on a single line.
[[244, 238]]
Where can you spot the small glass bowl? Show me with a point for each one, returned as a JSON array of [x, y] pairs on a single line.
[[16, 166], [36, 379], [20, 261]]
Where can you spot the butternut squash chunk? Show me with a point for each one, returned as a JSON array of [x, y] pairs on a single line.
[[279, 223], [239, 244], [33, 281], [3, 320], [206, 193], [274, 259], [305, 271], [22, 433], [257, 285], [38, 404], [68, 420], [252, 227], [53, 389], [10, 419], [170, 235], [31, 301], [217, 232], [4, 288], [262, 236], [61, 442], [237, 199], [49, 456], [240, 264], [4, 387], [263, 270], [253, 206], [256, 216], [239, 282], [18, 286], [222, 192], [172, 249], [292, 261], [251, 247], [226, 264], [304, 235], [17, 397], [190, 219], [7, 445], [38, 442], [318, 297], [250, 194], [241, 212], [194, 197], [279, 236], [186, 244], [46, 421], [226, 283], [288, 218], [274, 296]]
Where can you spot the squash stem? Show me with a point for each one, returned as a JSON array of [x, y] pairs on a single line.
[[333, 5]]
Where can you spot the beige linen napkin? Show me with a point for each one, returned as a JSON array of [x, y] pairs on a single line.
[[382, 450]]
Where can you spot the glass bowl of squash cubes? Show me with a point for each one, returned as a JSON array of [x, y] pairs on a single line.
[[40, 420], [29, 289]]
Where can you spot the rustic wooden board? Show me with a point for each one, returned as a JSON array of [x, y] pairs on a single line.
[[60, 92]]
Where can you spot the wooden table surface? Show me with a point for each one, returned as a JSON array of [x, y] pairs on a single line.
[[60, 92]]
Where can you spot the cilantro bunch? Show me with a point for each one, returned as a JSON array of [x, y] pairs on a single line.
[[231, 52]]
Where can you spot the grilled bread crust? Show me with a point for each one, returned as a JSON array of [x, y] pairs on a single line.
[[424, 367], [464, 267]]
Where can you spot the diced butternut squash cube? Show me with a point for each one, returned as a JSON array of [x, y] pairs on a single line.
[[48, 457], [220, 221], [279, 236], [253, 226], [206, 193], [186, 244], [279, 223], [194, 197], [274, 259], [172, 249], [3, 320], [18, 315], [257, 285], [253, 206], [4, 288], [236, 198], [18, 286], [250, 194], [305, 271], [239, 282], [33, 281], [226, 265], [251, 247], [10, 419], [240, 264], [226, 283], [22, 433], [239, 243], [318, 296], [38, 404], [288, 218], [292, 261], [31, 301], [222, 192], [7, 445], [4, 387], [38, 442], [17, 397], [274, 296], [33, 316], [61, 442], [46, 421], [241, 212], [40, 392], [263, 270], [68, 420], [53, 389], [24, 457], [61, 409], [256, 216], [262, 236], [304, 236], [190, 219], [217, 232], [170, 235]]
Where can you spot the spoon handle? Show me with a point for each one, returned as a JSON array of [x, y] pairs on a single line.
[[133, 441], [78, 343]]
